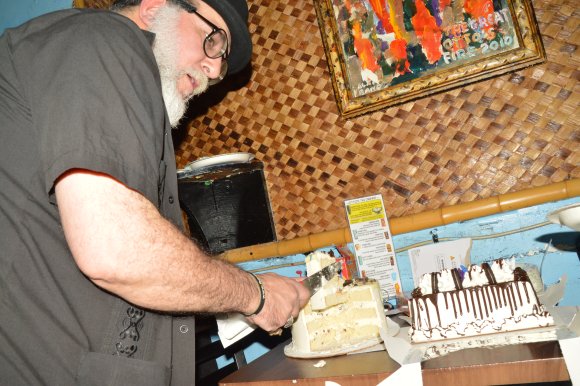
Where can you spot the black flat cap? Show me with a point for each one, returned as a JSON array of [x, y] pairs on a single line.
[[235, 14]]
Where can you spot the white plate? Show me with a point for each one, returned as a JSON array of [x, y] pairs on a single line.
[[221, 159], [292, 352], [568, 215]]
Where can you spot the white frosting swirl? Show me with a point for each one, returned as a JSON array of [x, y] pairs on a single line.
[[503, 270], [444, 282], [475, 276], [316, 261], [425, 284]]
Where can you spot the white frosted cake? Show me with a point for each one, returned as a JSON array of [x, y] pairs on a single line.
[[486, 299], [342, 315]]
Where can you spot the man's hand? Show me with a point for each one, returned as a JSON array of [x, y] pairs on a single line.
[[285, 297]]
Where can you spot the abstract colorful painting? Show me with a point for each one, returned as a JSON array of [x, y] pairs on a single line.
[[384, 52]]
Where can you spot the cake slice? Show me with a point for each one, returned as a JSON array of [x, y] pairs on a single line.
[[483, 300], [342, 315]]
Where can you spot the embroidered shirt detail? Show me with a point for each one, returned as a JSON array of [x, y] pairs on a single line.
[[129, 336]]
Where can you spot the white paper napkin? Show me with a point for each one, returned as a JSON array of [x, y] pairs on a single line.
[[554, 294], [233, 327], [571, 347], [408, 375], [571, 352]]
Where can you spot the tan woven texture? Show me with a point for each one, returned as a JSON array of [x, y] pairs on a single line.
[[505, 134]]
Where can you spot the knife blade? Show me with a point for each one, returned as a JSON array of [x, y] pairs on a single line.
[[314, 282]]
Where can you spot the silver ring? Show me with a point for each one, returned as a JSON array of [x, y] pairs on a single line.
[[289, 322]]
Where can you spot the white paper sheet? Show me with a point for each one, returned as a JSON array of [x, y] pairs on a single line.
[[438, 256]]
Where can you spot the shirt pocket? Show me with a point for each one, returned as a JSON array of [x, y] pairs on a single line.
[[98, 369]]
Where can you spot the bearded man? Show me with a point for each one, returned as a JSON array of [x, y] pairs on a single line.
[[97, 280]]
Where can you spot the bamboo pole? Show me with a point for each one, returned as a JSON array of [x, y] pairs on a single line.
[[433, 218]]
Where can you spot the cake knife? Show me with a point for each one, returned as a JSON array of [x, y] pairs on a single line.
[[314, 282]]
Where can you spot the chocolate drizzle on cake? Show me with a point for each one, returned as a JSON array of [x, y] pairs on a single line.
[[488, 273], [485, 297], [520, 274], [434, 283], [417, 293], [481, 301], [456, 278], [500, 262]]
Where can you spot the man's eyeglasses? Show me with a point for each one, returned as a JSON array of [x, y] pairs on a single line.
[[215, 44]]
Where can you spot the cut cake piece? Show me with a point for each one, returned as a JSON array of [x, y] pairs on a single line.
[[341, 315]]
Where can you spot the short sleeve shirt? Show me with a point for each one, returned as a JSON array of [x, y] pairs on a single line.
[[79, 89]]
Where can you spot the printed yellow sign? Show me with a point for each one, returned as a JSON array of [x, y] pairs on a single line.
[[373, 244], [365, 211]]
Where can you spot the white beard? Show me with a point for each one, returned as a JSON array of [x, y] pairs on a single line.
[[166, 49]]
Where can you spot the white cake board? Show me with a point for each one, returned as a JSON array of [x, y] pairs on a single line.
[[366, 346]]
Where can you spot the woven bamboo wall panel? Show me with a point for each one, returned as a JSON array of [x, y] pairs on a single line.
[[502, 135]]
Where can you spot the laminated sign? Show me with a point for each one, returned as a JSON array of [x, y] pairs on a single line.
[[373, 243]]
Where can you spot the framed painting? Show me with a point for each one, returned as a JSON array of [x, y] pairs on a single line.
[[386, 52]]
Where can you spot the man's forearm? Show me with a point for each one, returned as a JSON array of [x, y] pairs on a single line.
[[122, 243]]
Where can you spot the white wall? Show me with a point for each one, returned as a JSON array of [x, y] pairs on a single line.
[[16, 12]]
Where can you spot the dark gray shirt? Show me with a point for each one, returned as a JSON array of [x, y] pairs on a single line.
[[79, 89]]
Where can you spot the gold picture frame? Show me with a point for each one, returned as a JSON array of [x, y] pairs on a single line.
[[97, 4], [383, 53]]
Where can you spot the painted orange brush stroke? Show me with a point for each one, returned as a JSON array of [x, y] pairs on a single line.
[[427, 31], [380, 9], [478, 8], [398, 48], [364, 49]]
